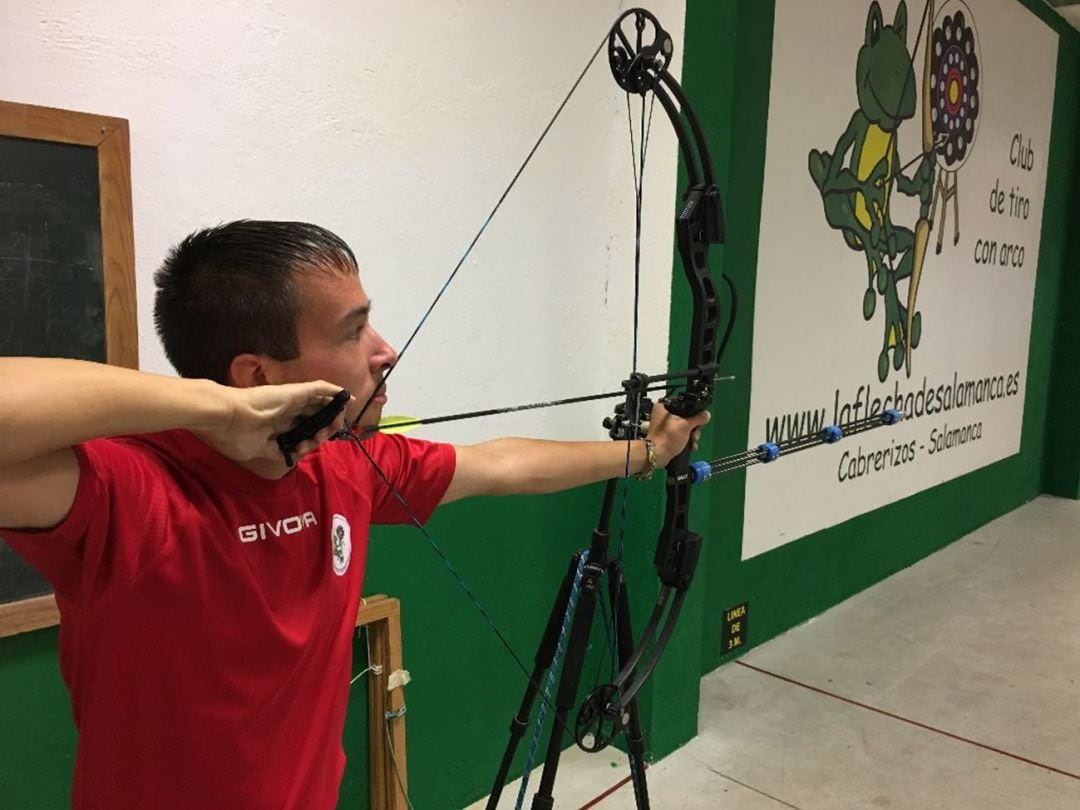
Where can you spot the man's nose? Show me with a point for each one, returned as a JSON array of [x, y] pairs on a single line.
[[385, 354]]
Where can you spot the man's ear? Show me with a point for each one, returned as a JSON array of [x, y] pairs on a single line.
[[248, 370]]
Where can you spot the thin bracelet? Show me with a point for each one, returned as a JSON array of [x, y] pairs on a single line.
[[650, 461]]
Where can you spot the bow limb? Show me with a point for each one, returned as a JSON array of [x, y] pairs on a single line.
[[922, 227]]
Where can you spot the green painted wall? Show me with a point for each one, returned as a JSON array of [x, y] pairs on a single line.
[[37, 736], [800, 580], [513, 551], [1062, 435]]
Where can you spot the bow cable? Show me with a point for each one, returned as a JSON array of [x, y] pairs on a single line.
[[637, 155]]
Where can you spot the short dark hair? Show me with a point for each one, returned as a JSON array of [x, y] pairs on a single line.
[[231, 289]]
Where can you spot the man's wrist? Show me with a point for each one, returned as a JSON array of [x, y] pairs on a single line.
[[213, 408], [649, 466]]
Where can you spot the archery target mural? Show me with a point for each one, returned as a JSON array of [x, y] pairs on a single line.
[[905, 169], [954, 83], [954, 104]]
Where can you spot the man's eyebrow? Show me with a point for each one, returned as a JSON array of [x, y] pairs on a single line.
[[356, 312]]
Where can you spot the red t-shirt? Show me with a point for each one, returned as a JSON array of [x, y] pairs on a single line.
[[207, 615]]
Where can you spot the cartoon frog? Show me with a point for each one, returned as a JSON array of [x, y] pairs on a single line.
[[856, 180]]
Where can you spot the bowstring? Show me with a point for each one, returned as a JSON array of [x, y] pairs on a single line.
[[348, 433], [637, 154], [639, 172], [479, 233]]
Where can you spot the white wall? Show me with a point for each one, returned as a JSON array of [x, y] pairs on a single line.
[[396, 124]]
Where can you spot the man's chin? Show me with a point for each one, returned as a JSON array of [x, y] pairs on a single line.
[[369, 417]]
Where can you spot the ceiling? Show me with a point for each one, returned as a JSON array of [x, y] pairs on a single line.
[[1068, 9]]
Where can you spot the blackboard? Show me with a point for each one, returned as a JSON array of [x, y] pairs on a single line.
[[17, 579], [66, 271], [52, 299]]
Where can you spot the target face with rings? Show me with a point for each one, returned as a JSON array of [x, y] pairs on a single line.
[[956, 72]]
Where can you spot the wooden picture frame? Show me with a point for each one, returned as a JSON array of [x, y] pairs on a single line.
[[110, 137]]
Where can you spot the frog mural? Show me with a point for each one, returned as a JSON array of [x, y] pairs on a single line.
[[856, 181]]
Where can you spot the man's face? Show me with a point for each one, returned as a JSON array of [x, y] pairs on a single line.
[[337, 343]]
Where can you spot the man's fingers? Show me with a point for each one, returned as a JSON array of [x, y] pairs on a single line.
[[312, 444], [695, 437], [304, 448], [324, 388], [311, 398], [313, 395]]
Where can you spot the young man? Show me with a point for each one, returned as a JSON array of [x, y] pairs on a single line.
[[208, 592]]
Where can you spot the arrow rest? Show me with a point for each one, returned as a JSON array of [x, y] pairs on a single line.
[[629, 415]]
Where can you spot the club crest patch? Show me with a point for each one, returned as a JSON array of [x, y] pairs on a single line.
[[340, 544]]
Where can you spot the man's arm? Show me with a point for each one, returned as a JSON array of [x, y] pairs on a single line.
[[49, 405], [534, 466]]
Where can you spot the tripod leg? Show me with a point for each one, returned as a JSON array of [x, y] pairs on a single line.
[[635, 737], [568, 682], [545, 653]]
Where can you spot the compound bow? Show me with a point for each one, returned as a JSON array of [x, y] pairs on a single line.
[[639, 61]]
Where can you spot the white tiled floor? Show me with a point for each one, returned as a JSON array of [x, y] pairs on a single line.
[[950, 686]]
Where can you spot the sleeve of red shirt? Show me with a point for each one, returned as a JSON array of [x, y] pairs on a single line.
[[117, 524], [420, 472]]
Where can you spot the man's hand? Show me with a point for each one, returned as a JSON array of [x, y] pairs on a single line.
[[670, 434], [256, 416]]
